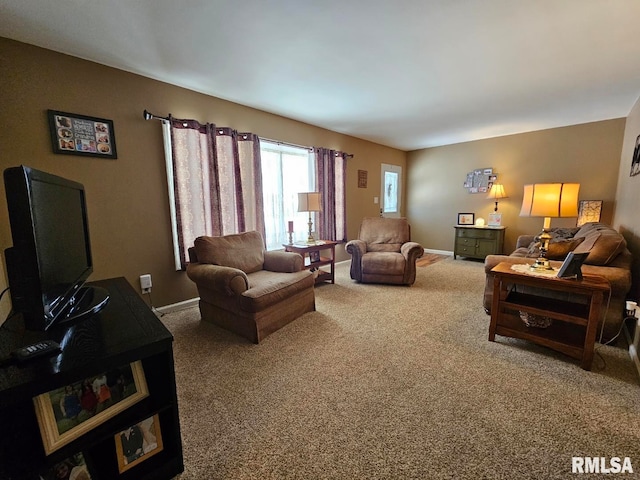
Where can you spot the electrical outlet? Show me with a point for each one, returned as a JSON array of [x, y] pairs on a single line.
[[145, 283]]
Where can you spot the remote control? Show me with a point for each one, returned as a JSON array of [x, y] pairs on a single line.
[[40, 349]]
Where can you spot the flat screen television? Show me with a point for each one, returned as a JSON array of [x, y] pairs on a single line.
[[50, 259]]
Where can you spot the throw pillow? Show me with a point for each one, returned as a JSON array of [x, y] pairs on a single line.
[[558, 249]]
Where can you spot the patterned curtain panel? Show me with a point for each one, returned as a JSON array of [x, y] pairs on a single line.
[[331, 174], [217, 184]]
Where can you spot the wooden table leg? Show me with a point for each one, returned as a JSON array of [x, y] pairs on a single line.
[[495, 309], [592, 328]]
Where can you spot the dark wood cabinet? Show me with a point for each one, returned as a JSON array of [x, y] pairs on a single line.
[[125, 331], [478, 242]]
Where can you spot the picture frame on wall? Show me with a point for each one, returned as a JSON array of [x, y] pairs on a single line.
[[635, 160], [138, 443], [73, 134], [495, 220], [68, 412], [466, 218]]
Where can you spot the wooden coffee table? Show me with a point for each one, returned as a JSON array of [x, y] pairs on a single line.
[[574, 328]]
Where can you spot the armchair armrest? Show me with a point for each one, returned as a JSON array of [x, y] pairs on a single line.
[[226, 280], [411, 251], [284, 262], [357, 248]]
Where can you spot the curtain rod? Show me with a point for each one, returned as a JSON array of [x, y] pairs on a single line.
[[149, 116], [279, 142]]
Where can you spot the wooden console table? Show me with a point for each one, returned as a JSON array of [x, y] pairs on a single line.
[[310, 250], [125, 331], [574, 327]]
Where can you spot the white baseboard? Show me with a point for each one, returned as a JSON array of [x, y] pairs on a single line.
[[439, 252], [175, 307]]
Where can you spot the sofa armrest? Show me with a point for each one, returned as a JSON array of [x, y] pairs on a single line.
[[284, 262], [411, 251], [524, 241], [226, 280]]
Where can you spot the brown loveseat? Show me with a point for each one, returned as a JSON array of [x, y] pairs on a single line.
[[246, 289], [608, 257], [384, 252]]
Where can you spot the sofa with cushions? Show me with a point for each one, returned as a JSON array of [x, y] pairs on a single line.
[[247, 289], [608, 257]]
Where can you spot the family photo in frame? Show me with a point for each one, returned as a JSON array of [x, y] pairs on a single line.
[[72, 468], [73, 134], [68, 412], [138, 442]]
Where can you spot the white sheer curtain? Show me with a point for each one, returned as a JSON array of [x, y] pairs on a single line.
[[286, 170]]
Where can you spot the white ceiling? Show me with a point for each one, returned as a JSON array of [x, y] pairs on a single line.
[[405, 73]]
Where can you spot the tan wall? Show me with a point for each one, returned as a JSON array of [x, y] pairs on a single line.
[[627, 216], [127, 197], [588, 154]]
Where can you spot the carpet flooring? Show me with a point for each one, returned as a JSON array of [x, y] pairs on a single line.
[[389, 382]]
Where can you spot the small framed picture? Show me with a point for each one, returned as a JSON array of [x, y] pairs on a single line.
[[138, 443], [466, 218], [495, 220], [314, 256], [69, 412], [73, 467], [571, 267]]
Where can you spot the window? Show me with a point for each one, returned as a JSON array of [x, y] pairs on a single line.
[[286, 170]]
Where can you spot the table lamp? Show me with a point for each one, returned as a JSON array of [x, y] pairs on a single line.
[[496, 193], [309, 202], [549, 200]]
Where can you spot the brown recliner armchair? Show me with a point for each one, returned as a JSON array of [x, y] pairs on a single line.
[[246, 289], [384, 252]]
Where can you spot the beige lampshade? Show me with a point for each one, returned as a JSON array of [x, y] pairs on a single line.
[[550, 200], [309, 202], [497, 191]]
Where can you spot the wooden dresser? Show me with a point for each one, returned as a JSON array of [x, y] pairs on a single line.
[[478, 242]]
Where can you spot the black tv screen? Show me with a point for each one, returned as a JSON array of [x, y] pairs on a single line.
[[51, 255]]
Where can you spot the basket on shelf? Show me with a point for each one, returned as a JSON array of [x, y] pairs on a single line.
[[532, 320]]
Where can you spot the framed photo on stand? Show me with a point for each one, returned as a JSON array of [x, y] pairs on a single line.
[[466, 218], [571, 267], [495, 220]]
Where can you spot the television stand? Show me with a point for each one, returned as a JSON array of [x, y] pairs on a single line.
[[89, 300], [124, 332]]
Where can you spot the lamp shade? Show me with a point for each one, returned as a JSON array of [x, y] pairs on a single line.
[[497, 191], [550, 200], [310, 202]]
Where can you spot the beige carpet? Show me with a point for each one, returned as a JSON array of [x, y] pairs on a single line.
[[385, 382]]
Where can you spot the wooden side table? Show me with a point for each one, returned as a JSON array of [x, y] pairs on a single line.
[[312, 254], [574, 327]]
